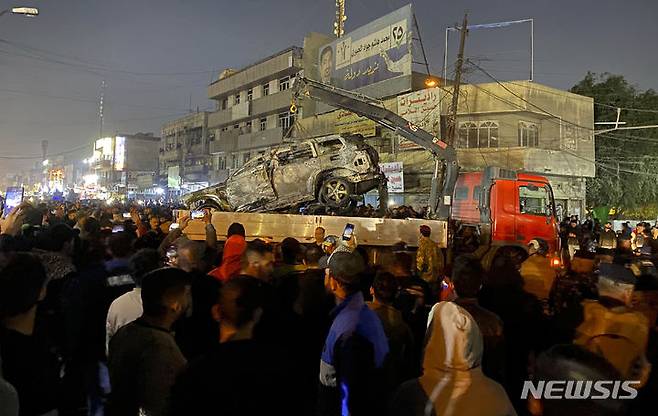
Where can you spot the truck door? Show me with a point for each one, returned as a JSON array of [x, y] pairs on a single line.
[[536, 213]]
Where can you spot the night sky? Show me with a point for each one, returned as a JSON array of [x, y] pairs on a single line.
[[156, 54]]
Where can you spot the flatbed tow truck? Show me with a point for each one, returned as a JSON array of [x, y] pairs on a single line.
[[505, 209]]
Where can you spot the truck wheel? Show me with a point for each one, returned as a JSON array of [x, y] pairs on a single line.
[[335, 192]]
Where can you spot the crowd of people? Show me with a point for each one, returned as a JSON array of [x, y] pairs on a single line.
[[109, 310]]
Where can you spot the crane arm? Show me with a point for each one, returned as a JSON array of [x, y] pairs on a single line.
[[441, 194]]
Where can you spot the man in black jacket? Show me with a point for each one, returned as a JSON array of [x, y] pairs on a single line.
[[242, 375]]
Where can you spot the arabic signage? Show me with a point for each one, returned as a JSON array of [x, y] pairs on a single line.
[[349, 123], [378, 51], [394, 176], [422, 108]]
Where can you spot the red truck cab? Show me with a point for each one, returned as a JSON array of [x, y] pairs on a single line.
[[508, 208]]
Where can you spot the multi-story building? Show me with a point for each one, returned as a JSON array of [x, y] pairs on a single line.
[[185, 161], [252, 109], [121, 161]]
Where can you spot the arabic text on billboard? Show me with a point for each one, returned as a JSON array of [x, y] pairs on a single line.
[[423, 108], [378, 51], [349, 123], [394, 173]]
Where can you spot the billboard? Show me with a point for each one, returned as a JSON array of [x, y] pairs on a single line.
[[423, 108], [394, 172], [173, 177], [350, 123], [120, 153], [378, 51]]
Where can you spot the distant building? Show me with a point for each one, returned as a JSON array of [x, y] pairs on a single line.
[[185, 160], [118, 161]]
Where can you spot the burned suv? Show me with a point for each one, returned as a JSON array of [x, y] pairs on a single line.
[[330, 170]]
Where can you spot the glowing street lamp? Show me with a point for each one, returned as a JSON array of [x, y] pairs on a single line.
[[431, 82]]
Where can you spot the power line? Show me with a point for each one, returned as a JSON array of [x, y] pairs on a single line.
[[84, 100], [75, 149], [640, 110], [41, 54]]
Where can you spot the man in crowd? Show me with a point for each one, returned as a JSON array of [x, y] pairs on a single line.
[[467, 277], [144, 359], [400, 338], [355, 348], [538, 275], [318, 236], [27, 362], [128, 307], [608, 238], [452, 382], [241, 375], [572, 363], [328, 247], [429, 260], [611, 328]]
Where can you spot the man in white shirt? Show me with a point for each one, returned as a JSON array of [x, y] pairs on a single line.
[[128, 307]]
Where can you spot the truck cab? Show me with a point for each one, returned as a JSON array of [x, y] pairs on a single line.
[[507, 208]]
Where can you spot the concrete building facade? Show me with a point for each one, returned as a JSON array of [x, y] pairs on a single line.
[[184, 156], [121, 161]]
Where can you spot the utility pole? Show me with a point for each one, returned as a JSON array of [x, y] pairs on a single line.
[[339, 23], [100, 110], [452, 125]]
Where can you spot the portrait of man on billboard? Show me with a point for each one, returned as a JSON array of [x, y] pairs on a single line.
[[326, 64]]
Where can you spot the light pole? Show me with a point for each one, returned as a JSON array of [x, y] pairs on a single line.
[[24, 11]]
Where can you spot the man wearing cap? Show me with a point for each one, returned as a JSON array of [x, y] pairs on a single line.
[[328, 247], [611, 328], [608, 238], [355, 348], [538, 275]]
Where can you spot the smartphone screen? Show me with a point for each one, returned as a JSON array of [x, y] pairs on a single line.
[[174, 226], [347, 232], [13, 198], [117, 229], [197, 214], [126, 215]]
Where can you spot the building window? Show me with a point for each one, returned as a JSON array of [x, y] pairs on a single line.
[[236, 126], [246, 157], [224, 105], [284, 83], [248, 127], [234, 161], [237, 98], [221, 163], [488, 134], [285, 120], [263, 124], [468, 134], [528, 134], [473, 135], [225, 128], [266, 89], [250, 94]]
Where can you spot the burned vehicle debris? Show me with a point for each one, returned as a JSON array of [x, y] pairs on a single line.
[[330, 170]]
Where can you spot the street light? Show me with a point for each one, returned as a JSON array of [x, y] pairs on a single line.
[[25, 11]]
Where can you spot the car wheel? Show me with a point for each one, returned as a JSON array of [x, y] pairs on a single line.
[[336, 192]]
